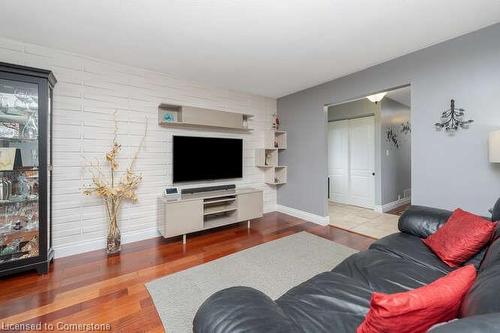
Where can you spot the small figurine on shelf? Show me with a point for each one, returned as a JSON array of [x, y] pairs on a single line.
[[276, 144], [276, 122], [31, 248], [268, 158]]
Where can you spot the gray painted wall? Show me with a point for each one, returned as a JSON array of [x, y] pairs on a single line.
[[395, 162], [448, 171]]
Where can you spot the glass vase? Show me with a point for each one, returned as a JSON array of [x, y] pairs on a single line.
[[113, 241]]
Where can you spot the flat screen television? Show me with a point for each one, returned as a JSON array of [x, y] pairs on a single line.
[[201, 158]]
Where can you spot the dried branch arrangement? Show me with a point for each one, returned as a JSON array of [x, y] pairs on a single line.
[[114, 191]]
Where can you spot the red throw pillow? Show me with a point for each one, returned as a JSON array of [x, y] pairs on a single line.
[[417, 310], [461, 237]]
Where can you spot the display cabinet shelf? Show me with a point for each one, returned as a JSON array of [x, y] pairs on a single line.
[[17, 139], [18, 201], [25, 169]]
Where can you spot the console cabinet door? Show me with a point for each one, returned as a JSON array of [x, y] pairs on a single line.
[[250, 206], [183, 217]]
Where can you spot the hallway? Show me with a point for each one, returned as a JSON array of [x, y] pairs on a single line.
[[363, 221]]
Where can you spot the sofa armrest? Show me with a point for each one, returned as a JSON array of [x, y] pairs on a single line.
[[241, 309], [488, 323], [422, 221]]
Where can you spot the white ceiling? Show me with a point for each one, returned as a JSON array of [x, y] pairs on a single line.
[[265, 47]]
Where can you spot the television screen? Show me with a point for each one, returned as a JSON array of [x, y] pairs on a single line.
[[199, 158]]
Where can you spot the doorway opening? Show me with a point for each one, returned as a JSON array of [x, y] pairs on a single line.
[[369, 162]]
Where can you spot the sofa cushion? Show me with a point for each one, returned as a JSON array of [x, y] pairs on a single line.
[[495, 212], [241, 309], [489, 323], [384, 272], [483, 297], [327, 302], [464, 235], [422, 221], [411, 248], [415, 311], [492, 256]]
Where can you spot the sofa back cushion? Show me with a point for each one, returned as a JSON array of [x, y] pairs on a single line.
[[495, 213], [484, 296], [422, 221]]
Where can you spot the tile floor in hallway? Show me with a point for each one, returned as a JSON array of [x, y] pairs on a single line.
[[362, 220]]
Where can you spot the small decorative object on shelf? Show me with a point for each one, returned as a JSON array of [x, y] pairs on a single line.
[[268, 159], [406, 128], [453, 119], [25, 173], [169, 117], [113, 193], [276, 121]]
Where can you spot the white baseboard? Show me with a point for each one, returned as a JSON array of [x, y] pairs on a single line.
[[392, 205], [322, 220], [100, 243]]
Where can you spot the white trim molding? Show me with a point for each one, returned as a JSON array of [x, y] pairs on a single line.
[[321, 220], [392, 205], [100, 243]]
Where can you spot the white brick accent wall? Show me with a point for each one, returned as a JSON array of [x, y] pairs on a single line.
[[86, 95]]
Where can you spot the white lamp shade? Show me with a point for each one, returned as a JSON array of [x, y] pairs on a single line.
[[377, 97], [494, 145]]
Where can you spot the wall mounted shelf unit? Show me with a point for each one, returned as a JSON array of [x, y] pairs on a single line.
[[274, 139], [276, 175], [180, 116], [267, 158]]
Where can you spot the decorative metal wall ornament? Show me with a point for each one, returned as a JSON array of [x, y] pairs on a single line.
[[391, 136], [453, 119], [405, 128]]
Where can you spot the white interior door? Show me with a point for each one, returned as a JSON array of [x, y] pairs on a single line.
[[362, 161], [351, 161], [338, 160]]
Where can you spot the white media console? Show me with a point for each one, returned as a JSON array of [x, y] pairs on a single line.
[[206, 210]]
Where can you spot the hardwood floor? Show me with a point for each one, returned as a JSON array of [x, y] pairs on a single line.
[[94, 288]]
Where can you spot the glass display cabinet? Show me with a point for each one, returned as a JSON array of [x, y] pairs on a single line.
[[25, 168]]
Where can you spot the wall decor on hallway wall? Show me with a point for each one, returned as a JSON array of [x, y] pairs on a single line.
[[391, 136], [453, 119], [406, 128]]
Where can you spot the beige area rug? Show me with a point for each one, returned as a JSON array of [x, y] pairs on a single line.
[[363, 221], [272, 267]]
